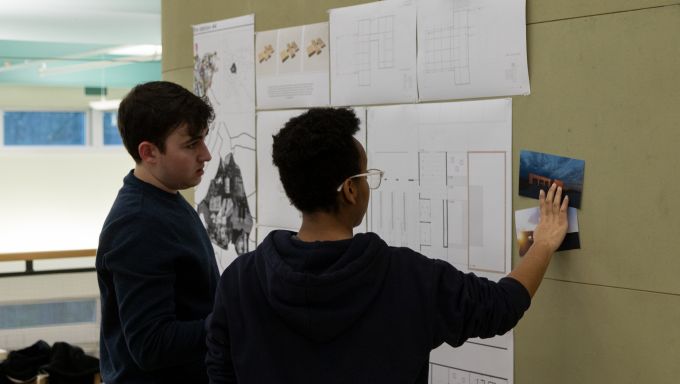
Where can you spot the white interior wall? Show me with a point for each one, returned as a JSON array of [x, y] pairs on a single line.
[[52, 199]]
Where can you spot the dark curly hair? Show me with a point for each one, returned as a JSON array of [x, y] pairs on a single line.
[[315, 152], [152, 111]]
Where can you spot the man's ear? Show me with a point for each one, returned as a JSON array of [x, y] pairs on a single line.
[[148, 152]]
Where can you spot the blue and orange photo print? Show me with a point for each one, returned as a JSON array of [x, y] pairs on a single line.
[[540, 170]]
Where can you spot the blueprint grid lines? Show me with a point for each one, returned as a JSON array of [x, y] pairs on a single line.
[[374, 38]]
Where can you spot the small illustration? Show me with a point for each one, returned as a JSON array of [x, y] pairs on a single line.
[[315, 47], [266, 54], [290, 51], [204, 69], [540, 170], [225, 210]]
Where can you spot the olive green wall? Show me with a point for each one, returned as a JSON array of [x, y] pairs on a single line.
[[605, 88]]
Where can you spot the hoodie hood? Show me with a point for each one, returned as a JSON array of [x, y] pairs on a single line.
[[322, 288]]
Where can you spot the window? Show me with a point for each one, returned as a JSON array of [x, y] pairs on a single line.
[[111, 133], [81, 181], [54, 129], [22, 128]]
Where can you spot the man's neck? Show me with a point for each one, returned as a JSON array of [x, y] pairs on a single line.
[[323, 226], [144, 174]]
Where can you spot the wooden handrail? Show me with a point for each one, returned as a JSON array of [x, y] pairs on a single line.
[[26, 256]]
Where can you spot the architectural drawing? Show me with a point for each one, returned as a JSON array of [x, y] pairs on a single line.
[[442, 374], [446, 193], [224, 55], [471, 49], [373, 53], [224, 210], [374, 38], [447, 47]]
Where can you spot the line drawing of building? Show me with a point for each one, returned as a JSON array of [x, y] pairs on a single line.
[[447, 47]]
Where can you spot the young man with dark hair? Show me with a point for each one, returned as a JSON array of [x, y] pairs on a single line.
[[324, 306], [155, 264]]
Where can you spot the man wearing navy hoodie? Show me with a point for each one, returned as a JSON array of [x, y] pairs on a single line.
[[325, 306]]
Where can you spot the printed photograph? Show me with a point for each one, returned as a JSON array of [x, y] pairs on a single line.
[[526, 221], [540, 170]]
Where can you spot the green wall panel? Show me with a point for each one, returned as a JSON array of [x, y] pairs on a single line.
[[577, 333], [547, 10], [606, 89]]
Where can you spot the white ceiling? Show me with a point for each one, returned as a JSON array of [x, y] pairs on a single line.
[[81, 21], [65, 42]]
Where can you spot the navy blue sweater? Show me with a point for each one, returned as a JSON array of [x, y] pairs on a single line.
[[157, 278], [351, 311]]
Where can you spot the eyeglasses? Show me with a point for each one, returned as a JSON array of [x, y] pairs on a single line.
[[373, 178]]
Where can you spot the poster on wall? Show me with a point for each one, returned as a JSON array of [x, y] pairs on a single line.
[[373, 53], [471, 49], [446, 193], [224, 73], [292, 67]]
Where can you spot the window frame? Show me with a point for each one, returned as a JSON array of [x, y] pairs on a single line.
[[94, 131]]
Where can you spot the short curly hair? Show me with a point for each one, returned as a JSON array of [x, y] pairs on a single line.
[[315, 152]]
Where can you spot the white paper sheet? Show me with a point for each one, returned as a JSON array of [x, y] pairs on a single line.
[[275, 210], [373, 53], [292, 67], [470, 49], [224, 71], [447, 194], [274, 207]]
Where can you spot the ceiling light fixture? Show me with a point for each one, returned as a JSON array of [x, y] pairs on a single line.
[[105, 104], [137, 50]]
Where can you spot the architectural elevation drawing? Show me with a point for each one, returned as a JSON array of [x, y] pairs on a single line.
[[224, 73], [471, 49], [446, 193], [373, 53]]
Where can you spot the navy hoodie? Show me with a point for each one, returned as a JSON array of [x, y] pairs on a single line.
[[349, 311]]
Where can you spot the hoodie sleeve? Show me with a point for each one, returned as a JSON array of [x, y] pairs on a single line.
[[469, 306], [218, 359]]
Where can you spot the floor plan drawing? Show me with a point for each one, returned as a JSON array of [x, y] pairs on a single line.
[[446, 194], [373, 49], [374, 35], [447, 47], [471, 49]]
